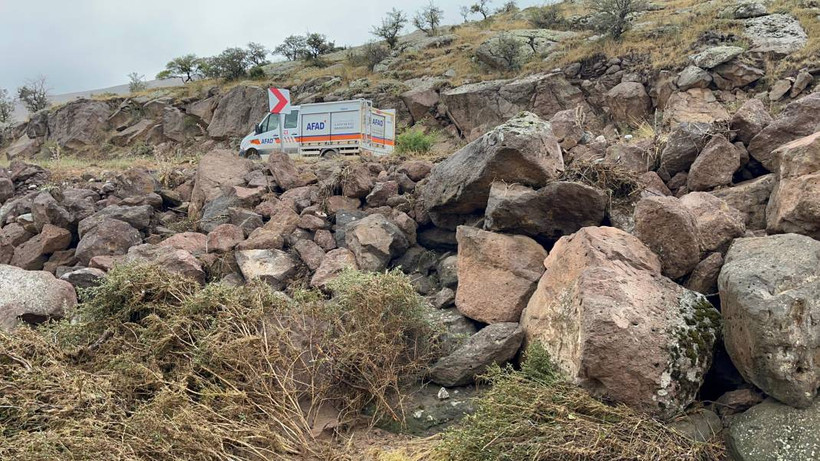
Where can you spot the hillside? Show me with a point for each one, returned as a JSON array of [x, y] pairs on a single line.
[[608, 250]]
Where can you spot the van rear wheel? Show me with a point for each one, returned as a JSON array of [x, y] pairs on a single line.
[[252, 154], [330, 153]]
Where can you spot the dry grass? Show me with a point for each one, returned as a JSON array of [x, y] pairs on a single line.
[[619, 182], [534, 414], [155, 367]]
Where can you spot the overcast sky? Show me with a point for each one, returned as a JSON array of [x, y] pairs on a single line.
[[90, 44]]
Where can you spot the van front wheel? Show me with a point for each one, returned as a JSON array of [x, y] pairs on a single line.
[[252, 154]]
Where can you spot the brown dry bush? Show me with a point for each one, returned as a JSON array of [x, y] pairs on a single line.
[[152, 366], [535, 414], [618, 181]]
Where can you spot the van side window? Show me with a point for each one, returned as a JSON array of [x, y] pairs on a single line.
[[268, 124], [291, 119]]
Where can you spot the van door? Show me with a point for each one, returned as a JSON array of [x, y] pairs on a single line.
[[268, 139], [290, 137]]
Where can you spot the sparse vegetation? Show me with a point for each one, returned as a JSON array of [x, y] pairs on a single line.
[[508, 51], [535, 414], [136, 82], [257, 55], [547, 17], [428, 18], [481, 7], [292, 48], [614, 17], [34, 94], [6, 106], [508, 7], [368, 55], [154, 366], [392, 25], [187, 68], [414, 141]]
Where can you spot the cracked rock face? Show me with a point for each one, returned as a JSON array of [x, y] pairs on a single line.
[[770, 298]]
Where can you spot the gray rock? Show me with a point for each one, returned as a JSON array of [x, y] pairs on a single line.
[[79, 123], [750, 198], [274, 267], [770, 292], [772, 431], [776, 33], [238, 111], [478, 107], [700, 425], [693, 77], [744, 10], [85, 277], [139, 217], [497, 343], [749, 120], [800, 118], [682, 147], [111, 237], [715, 56], [779, 89], [523, 150], [32, 297], [375, 241], [560, 208]]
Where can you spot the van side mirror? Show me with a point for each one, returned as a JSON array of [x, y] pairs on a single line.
[[257, 129]]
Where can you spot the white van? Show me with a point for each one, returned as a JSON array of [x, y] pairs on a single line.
[[323, 130]]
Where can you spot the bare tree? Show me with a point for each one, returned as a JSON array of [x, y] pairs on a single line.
[[428, 19], [615, 16], [391, 27], [136, 82], [508, 7], [481, 7], [34, 94], [465, 12], [6, 106]]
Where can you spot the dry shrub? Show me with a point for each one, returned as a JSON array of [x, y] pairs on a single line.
[[155, 367], [534, 414], [618, 181]]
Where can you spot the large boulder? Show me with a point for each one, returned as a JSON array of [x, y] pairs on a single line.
[[778, 34], [217, 169], [478, 107], [79, 123], [795, 202], [715, 165], [33, 254], [173, 260], [422, 97], [139, 217], [375, 241], [522, 151], [629, 103], [494, 344], [736, 74], [750, 198], [683, 145], [717, 222], [798, 119], [558, 209], [32, 297], [772, 431], [111, 237], [238, 111], [496, 274], [696, 105], [285, 174], [749, 120], [334, 263], [617, 327], [274, 267], [770, 296], [715, 56], [670, 230]]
